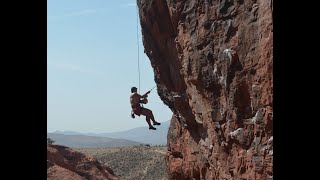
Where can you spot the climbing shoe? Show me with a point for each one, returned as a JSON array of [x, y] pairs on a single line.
[[156, 123]]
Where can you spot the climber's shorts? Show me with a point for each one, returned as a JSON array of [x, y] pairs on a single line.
[[137, 110]]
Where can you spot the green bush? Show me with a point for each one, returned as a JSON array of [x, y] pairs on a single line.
[[50, 141]]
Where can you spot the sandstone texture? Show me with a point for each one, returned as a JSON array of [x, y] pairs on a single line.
[[213, 66], [64, 163]]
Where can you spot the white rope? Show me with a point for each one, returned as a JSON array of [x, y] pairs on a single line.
[[138, 43]]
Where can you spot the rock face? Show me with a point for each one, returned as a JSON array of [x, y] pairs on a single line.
[[213, 64], [66, 164]]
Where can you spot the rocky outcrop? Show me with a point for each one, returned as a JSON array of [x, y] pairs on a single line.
[[213, 64], [64, 163]]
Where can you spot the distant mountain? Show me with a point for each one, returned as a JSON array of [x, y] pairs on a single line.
[[143, 134], [140, 134], [68, 132], [83, 141]]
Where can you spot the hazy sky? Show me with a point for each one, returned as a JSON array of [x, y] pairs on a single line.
[[92, 64]]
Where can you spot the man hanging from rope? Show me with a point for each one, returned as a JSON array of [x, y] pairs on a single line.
[[135, 100]]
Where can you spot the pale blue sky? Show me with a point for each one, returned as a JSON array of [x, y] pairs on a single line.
[[92, 64]]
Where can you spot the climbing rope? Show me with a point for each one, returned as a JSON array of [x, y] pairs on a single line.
[[138, 48], [152, 88], [138, 44]]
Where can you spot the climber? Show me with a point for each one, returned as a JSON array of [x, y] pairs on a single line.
[[135, 100]]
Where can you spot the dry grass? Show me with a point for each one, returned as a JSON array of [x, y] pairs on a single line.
[[132, 163]]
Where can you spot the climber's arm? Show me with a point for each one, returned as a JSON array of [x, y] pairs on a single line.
[[145, 95]]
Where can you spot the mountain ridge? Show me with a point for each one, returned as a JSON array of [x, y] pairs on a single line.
[[138, 134]]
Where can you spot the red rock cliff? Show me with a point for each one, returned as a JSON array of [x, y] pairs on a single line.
[[64, 163], [212, 63]]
